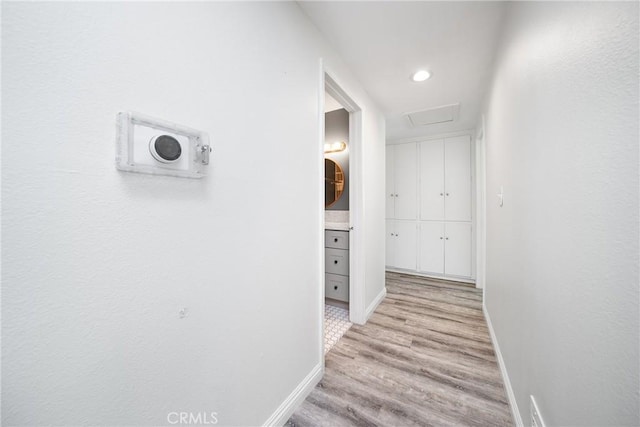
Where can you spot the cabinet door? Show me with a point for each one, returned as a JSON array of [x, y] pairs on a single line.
[[431, 247], [405, 245], [389, 182], [405, 165], [432, 180], [457, 178], [457, 249], [390, 244]]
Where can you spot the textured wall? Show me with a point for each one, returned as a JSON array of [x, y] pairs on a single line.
[[562, 254], [93, 280]]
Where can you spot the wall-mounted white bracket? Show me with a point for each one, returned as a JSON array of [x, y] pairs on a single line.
[[148, 145]]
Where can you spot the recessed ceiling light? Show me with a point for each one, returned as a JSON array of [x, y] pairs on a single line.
[[421, 76]]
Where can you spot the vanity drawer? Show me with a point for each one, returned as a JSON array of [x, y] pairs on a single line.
[[336, 261], [336, 287], [336, 239]]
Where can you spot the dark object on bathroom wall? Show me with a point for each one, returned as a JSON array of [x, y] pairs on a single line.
[[336, 128], [333, 182]]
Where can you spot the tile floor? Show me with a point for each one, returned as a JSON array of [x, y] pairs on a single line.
[[336, 323]]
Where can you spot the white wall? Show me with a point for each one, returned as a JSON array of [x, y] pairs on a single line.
[[562, 254], [373, 167], [91, 286]]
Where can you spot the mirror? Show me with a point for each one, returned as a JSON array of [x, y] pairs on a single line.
[[333, 182]]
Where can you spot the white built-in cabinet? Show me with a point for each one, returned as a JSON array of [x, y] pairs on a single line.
[[445, 179], [429, 206], [445, 248], [401, 184], [401, 244]]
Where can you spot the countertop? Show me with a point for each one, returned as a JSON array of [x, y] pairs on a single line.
[[341, 226]]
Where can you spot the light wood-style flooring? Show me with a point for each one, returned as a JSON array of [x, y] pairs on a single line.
[[424, 358]]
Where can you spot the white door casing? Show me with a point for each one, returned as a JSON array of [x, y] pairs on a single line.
[[357, 308]]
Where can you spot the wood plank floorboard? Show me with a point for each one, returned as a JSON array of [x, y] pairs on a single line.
[[424, 358]]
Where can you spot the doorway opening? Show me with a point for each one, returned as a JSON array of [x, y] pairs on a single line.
[[342, 281]]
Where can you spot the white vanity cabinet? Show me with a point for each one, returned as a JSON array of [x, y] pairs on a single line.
[[336, 261]]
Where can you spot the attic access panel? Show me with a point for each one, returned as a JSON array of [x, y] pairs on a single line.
[[444, 114]]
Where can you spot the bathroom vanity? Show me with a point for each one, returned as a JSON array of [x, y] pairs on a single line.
[[336, 282]]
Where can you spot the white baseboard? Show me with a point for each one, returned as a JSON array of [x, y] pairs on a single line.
[[372, 307], [515, 412], [297, 396]]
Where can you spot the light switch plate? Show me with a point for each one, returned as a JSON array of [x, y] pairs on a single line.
[[135, 133]]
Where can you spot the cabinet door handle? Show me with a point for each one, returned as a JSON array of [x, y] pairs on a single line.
[[335, 262], [447, 194], [335, 239], [396, 195], [441, 194], [446, 238], [440, 237], [396, 234], [391, 195], [335, 288]]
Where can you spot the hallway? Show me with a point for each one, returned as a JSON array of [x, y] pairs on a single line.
[[424, 358], [165, 256]]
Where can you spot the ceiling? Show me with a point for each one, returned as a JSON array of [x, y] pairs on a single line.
[[384, 43]]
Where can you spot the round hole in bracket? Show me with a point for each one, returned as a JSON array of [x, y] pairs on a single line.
[[165, 148]]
